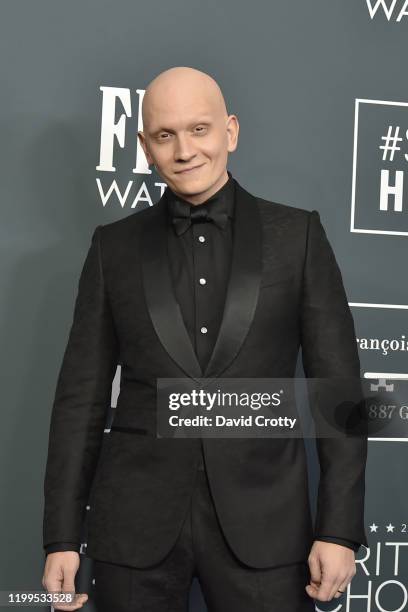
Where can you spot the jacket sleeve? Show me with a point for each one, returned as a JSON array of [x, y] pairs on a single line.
[[348, 543], [82, 399], [62, 547], [329, 350]]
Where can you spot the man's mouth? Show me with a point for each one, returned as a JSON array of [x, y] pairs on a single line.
[[189, 170]]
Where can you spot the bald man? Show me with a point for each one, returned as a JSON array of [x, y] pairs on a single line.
[[211, 281]]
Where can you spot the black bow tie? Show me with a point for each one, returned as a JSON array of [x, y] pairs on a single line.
[[196, 214]]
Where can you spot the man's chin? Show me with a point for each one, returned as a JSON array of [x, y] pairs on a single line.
[[191, 185]]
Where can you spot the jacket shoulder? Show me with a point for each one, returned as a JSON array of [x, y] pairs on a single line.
[[292, 219], [127, 227]]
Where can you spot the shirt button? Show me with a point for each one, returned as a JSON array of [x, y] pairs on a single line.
[[203, 330], [201, 238], [202, 281]]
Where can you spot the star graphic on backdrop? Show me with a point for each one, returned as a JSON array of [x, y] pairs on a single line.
[[373, 528], [390, 528]]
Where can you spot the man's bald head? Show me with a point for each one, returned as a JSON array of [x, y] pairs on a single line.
[[181, 83], [187, 133]]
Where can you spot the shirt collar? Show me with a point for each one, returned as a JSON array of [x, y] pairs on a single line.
[[222, 200]]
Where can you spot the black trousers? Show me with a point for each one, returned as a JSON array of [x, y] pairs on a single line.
[[201, 551]]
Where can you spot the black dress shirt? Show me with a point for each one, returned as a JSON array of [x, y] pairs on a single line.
[[199, 241]]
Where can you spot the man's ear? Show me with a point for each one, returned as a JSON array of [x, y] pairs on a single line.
[[233, 131], [142, 141]]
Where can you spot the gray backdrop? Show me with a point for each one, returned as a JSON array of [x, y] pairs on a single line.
[[293, 72]]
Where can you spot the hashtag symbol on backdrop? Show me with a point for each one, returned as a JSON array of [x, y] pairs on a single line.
[[391, 141]]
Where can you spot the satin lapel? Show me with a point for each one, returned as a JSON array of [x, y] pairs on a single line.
[[162, 304], [244, 282]]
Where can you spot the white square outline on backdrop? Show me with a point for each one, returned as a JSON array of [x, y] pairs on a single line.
[[355, 145]]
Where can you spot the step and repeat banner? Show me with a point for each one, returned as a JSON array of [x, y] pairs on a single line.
[[321, 94]]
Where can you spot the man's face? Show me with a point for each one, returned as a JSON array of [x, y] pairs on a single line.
[[189, 143]]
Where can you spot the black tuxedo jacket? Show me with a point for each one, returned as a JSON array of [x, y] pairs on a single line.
[[285, 292]]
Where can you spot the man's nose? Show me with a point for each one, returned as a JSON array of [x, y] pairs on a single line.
[[184, 148]]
